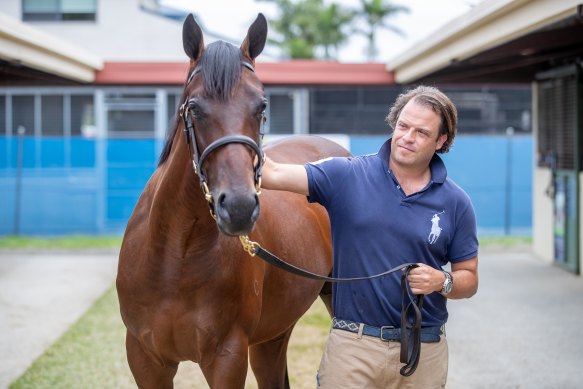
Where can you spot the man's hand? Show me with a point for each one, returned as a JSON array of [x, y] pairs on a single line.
[[425, 279]]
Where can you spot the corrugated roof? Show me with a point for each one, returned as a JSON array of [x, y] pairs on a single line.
[[277, 73]]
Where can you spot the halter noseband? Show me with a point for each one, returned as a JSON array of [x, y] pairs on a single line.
[[198, 160]]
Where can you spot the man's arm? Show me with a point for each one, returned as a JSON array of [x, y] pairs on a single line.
[[281, 176], [425, 279]]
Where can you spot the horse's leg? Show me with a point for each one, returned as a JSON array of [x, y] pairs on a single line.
[[228, 368], [148, 373], [326, 296], [269, 362]]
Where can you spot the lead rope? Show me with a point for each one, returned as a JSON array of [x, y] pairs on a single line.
[[410, 330], [410, 343]]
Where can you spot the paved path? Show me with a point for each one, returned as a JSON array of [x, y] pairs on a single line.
[[522, 329], [41, 295]]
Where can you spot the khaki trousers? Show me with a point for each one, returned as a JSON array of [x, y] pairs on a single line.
[[354, 361]]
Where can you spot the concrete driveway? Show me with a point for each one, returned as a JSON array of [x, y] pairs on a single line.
[[41, 295], [522, 329]]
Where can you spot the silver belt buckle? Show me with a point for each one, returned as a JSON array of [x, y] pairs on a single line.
[[381, 334]]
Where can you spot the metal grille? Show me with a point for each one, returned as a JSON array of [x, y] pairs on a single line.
[[127, 123], [557, 134], [52, 123], [354, 111], [23, 114], [82, 116], [3, 115], [362, 111], [281, 114]]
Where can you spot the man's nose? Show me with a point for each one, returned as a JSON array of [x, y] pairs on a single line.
[[409, 135]]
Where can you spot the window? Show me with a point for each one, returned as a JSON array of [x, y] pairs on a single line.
[[23, 114], [82, 116], [281, 114], [354, 111], [130, 123], [58, 10], [130, 114], [3, 115], [173, 101], [52, 116]]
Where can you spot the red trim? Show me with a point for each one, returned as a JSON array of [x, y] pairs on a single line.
[[142, 73], [324, 73], [275, 73]]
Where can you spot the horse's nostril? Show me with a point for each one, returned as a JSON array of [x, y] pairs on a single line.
[[221, 200]]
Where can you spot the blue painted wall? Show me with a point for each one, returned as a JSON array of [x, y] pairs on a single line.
[[76, 185]]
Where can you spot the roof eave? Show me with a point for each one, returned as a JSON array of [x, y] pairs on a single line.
[[32, 48], [488, 25]]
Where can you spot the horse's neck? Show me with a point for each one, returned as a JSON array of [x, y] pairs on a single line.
[[179, 213]]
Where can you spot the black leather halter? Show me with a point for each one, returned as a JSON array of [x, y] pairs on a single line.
[[199, 159]]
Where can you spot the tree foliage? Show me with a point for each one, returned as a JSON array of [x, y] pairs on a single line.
[[315, 28], [311, 29], [375, 13]]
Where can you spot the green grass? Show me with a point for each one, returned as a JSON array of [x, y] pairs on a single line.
[[90, 355], [72, 242], [504, 241]]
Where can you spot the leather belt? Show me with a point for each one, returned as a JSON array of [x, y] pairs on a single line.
[[386, 333]]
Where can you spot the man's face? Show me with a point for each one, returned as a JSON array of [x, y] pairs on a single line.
[[416, 136]]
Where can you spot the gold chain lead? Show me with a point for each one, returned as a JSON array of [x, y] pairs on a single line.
[[248, 245]]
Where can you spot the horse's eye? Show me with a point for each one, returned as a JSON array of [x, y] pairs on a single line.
[[195, 109], [261, 110]]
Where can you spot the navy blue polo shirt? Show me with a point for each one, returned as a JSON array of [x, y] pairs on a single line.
[[375, 227]]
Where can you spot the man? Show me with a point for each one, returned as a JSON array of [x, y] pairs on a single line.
[[386, 209]]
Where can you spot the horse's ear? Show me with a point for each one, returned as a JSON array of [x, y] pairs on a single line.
[[254, 42], [192, 38]]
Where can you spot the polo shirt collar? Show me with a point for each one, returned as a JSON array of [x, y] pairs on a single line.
[[438, 170]]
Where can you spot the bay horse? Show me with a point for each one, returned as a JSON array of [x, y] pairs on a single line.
[[187, 289]]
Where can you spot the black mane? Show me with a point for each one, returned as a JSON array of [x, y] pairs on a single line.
[[220, 67]]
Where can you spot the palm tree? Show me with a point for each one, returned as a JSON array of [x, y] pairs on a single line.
[[334, 23], [306, 25], [374, 12]]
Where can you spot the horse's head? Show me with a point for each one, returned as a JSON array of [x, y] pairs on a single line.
[[223, 112]]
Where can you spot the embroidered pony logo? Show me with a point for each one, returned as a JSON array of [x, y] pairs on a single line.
[[435, 228]]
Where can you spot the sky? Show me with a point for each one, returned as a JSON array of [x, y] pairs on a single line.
[[232, 18]]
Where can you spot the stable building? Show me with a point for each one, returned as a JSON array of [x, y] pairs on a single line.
[[534, 41], [87, 98]]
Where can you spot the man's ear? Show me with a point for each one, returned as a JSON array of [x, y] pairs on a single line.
[[440, 141]]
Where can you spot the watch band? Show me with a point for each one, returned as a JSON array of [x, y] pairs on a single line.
[[447, 283]]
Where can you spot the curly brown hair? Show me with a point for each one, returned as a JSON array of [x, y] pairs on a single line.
[[438, 102]]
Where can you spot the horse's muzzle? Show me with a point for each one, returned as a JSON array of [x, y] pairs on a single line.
[[237, 212]]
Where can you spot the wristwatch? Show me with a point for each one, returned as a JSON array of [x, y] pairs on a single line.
[[447, 284]]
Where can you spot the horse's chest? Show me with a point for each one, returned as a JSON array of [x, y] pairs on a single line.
[[172, 331]]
